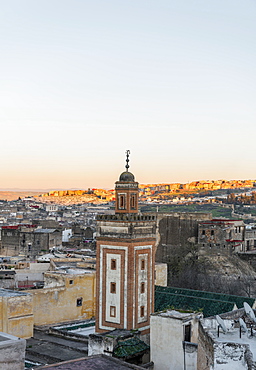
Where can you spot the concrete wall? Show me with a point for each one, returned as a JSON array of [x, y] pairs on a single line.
[[58, 303], [12, 352]]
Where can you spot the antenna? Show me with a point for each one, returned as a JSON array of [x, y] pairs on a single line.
[[127, 160], [221, 323], [249, 311]]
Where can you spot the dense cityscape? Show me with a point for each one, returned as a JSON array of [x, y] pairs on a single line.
[[204, 268], [127, 185]]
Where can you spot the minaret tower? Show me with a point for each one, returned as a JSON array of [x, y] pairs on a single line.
[[125, 262]]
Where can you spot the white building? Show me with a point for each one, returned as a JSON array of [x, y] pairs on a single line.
[[51, 208], [173, 340], [66, 235]]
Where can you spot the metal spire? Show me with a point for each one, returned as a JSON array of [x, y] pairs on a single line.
[[127, 160]]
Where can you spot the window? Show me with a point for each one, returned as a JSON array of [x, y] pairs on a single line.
[[71, 282], [142, 311], [212, 232], [187, 333], [79, 302], [112, 311], [122, 201], [142, 265], [203, 232], [113, 288], [113, 264], [133, 201], [142, 288]]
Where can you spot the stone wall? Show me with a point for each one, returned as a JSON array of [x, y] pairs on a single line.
[[205, 351], [175, 230]]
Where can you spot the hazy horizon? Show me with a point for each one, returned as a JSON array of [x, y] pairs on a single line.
[[83, 81], [101, 187]]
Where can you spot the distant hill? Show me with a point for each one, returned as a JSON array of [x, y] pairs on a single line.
[[13, 195]]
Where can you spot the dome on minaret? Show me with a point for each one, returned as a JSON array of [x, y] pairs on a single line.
[[127, 177]]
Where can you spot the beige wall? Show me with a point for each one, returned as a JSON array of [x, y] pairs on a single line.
[[58, 301], [16, 315]]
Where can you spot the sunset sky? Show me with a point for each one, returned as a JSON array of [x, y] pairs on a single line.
[[82, 81]]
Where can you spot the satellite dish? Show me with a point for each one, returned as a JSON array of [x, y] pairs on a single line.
[[221, 323], [242, 324], [249, 311]]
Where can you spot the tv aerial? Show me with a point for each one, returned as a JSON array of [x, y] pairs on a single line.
[[221, 324], [249, 311]]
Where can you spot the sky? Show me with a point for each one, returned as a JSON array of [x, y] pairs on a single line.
[[82, 81]]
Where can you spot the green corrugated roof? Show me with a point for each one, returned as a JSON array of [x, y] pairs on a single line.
[[238, 300], [129, 348], [209, 307]]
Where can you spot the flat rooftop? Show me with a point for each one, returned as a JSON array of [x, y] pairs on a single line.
[[232, 334]]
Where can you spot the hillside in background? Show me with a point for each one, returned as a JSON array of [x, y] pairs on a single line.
[[13, 195]]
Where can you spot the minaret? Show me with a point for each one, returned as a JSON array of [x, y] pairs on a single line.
[[125, 262]]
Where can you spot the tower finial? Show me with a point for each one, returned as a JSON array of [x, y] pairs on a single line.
[[127, 159]]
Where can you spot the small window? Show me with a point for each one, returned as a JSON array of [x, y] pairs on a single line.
[[142, 311], [142, 264], [113, 288], [112, 311], [71, 282], [121, 200], [113, 264], [203, 232], [142, 288], [79, 302], [187, 333], [212, 232], [133, 201]]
